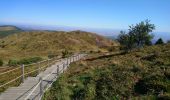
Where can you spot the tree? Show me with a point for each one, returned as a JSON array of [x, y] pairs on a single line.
[[137, 36], [126, 41], [159, 41], [141, 33]]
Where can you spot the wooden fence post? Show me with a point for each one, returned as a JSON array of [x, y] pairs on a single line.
[[22, 68], [67, 65], [73, 58], [67, 61], [63, 67], [39, 68], [41, 87], [58, 66], [48, 63]]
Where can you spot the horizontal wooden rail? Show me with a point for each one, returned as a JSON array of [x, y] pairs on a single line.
[[23, 73], [57, 73], [50, 74]]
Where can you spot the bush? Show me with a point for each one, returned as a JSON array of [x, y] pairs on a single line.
[[51, 56], [24, 61], [29, 60], [150, 57], [111, 49], [135, 69], [1, 62], [65, 53], [164, 97], [152, 84], [12, 62]]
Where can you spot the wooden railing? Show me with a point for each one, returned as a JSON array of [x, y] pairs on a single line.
[[16, 76]]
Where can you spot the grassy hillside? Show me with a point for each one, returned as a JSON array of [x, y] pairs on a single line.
[[8, 30], [140, 75], [44, 43]]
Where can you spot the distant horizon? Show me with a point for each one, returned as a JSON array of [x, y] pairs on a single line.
[[55, 27], [28, 24], [104, 32]]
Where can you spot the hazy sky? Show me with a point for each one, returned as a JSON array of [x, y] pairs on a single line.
[[112, 14]]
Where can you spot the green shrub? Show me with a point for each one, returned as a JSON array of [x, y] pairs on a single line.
[[92, 51], [59, 90], [65, 53], [111, 49], [167, 74], [24, 61], [151, 84], [12, 62], [51, 56], [1, 62], [99, 51], [164, 97], [78, 92], [135, 69], [29, 60]]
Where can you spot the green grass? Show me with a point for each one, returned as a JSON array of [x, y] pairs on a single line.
[[141, 74]]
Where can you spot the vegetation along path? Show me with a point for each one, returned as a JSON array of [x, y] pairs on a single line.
[[33, 87]]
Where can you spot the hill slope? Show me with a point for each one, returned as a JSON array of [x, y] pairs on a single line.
[[140, 75], [8, 30], [42, 43]]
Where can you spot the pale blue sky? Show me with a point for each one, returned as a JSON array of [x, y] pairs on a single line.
[[111, 14]]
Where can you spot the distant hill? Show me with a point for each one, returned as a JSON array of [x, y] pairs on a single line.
[[7, 30], [100, 31], [43, 43]]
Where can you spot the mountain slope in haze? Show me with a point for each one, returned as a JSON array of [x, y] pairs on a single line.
[[43, 43], [8, 30]]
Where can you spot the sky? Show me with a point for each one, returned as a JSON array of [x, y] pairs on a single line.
[[103, 14]]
